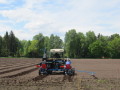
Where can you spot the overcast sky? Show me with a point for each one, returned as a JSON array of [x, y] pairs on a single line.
[[27, 18]]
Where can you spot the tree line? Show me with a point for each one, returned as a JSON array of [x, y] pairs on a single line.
[[75, 44], [11, 46]]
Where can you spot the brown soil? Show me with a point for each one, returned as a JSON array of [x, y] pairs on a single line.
[[21, 74]]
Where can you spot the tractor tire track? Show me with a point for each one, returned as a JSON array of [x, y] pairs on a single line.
[[16, 69], [21, 73], [7, 68], [68, 78], [14, 66], [40, 77], [94, 77]]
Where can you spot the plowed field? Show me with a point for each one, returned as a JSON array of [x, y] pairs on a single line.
[[21, 74]]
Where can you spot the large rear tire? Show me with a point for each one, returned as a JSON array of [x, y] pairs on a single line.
[[39, 72], [71, 72], [43, 72]]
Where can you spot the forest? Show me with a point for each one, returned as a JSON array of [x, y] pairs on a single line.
[[75, 44]]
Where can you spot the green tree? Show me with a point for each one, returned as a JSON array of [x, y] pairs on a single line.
[[70, 43], [98, 48], [58, 41], [112, 37], [26, 47], [40, 38], [51, 42], [1, 43], [46, 42], [114, 48], [55, 42], [6, 45], [18, 47], [22, 47], [80, 45], [33, 49], [90, 38], [13, 44]]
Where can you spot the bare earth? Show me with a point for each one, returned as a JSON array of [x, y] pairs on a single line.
[[21, 74]]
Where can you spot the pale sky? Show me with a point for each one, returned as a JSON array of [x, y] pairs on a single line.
[[27, 18]]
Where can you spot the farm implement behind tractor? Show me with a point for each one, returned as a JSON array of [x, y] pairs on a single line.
[[56, 63]]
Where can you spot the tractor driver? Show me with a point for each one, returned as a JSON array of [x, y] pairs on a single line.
[[57, 55], [68, 64], [68, 61], [44, 57]]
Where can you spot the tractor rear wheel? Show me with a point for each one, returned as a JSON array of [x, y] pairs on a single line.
[[71, 72], [39, 72]]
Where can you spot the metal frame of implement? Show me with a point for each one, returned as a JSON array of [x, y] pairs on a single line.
[[91, 73]]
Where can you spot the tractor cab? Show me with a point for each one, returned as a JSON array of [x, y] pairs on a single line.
[[56, 60], [56, 53]]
